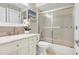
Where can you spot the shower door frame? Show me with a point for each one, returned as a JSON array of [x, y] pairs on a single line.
[[52, 17]]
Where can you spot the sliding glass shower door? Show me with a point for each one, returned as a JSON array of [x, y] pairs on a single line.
[[45, 29], [63, 27]]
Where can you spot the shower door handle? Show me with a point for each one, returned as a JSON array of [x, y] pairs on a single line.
[[76, 53], [76, 27]]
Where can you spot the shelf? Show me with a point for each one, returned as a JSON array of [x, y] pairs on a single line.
[[31, 13]]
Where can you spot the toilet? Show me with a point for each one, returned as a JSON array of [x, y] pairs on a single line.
[[42, 48]]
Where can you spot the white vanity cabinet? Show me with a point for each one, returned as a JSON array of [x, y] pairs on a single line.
[[22, 46]]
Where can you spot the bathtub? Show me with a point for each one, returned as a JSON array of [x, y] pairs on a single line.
[[61, 50]]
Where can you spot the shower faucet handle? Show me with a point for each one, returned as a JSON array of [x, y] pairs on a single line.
[[77, 42]]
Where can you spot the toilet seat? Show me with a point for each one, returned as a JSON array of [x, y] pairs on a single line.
[[43, 44]]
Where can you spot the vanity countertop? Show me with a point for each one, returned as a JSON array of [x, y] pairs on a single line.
[[7, 39]]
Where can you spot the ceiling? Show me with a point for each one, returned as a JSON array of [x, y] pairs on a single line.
[[51, 6]]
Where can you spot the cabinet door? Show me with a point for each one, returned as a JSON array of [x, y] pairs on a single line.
[[32, 46], [7, 48], [13, 16], [22, 51], [2, 14], [14, 52], [23, 47]]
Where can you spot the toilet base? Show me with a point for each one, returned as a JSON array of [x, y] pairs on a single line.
[[42, 51]]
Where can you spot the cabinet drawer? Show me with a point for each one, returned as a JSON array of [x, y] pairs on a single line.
[[32, 49], [14, 52], [8, 47], [32, 45]]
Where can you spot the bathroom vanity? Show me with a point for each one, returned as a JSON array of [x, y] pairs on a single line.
[[12, 39], [22, 44]]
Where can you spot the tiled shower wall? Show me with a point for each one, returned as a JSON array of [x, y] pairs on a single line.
[[5, 31]]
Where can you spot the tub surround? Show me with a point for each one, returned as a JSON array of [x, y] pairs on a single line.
[[62, 50]]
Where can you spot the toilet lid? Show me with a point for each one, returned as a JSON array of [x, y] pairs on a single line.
[[42, 43]]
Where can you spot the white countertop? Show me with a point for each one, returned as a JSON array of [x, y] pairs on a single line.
[[7, 39]]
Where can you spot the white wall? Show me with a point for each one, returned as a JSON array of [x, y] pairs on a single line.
[[76, 31], [76, 14]]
